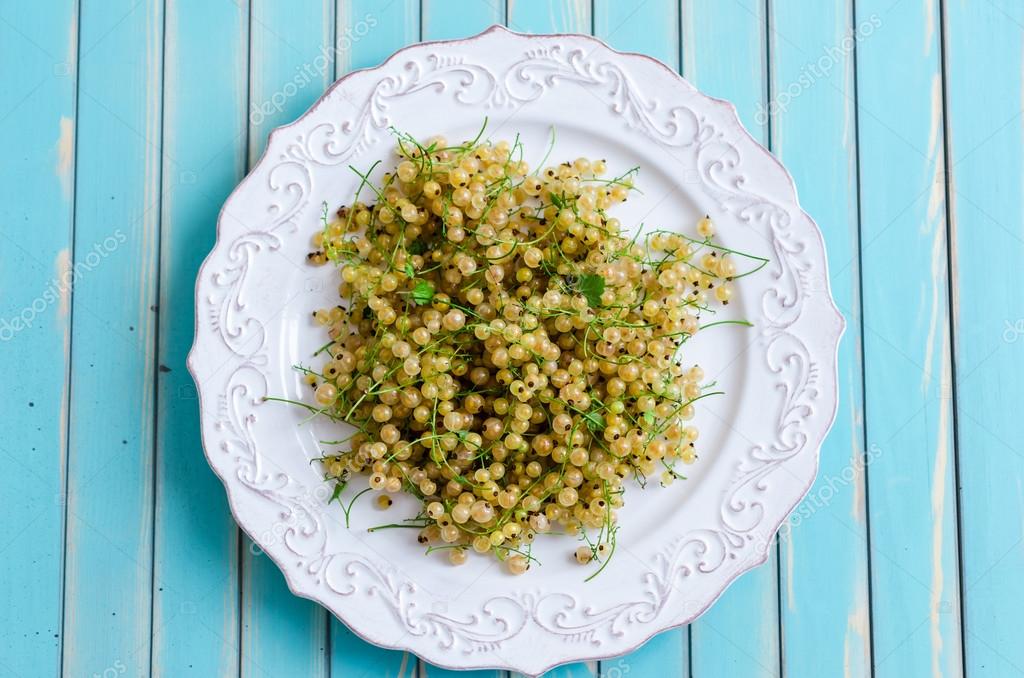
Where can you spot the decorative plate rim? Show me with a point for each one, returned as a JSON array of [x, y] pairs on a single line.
[[830, 334]]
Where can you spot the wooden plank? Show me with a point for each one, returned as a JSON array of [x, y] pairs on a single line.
[[572, 16], [38, 49], [722, 48], [291, 63], [447, 19], [983, 47], [823, 560], [651, 28], [283, 634], [569, 16], [907, 368], [108, 578], [195, 609], [368, 31], [724, 54]]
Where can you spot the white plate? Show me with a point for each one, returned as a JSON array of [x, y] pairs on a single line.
[[678, 548]]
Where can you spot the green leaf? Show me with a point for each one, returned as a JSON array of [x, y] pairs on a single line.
[[649, 418], [338, 487], [422, 292], [417, 247], [591, 286], [410, 272]]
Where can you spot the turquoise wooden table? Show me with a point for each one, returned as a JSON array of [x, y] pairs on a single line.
[[124, 124]]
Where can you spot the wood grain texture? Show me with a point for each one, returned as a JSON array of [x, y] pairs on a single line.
[[109, 547], [984, 43], [38, 58], [907, 358], [823, 565], [725, 55], [369, 31], [568, 16], [195, 609], [448, 19], [290, 65], [650, 28]]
